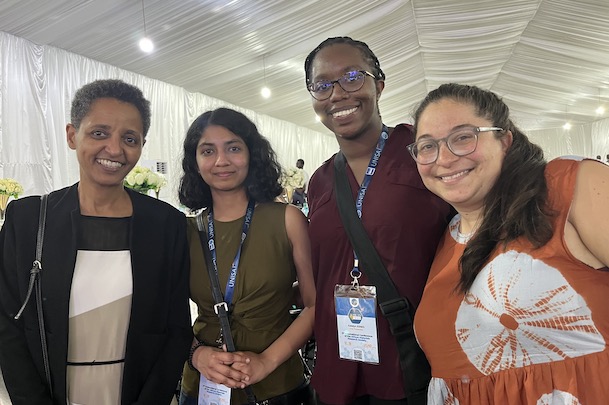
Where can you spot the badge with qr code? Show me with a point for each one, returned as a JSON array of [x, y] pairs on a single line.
[[356, 323]]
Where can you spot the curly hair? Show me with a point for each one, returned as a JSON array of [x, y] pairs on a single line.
[[262, 181], [367, 54], [109, 88], [516, 205]]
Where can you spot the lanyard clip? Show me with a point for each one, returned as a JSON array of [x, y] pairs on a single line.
[[355, 275]]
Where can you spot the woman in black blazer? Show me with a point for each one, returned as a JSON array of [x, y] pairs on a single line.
[[114, 272]]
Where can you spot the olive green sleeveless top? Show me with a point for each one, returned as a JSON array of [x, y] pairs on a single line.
[[262, 297]]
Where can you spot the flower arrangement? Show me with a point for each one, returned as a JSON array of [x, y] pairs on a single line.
[[292, 178], [142, 179], [8, 188]]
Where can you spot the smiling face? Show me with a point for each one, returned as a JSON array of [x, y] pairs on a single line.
[[348, 115], [222, 159], [463, 181], [108, 142]]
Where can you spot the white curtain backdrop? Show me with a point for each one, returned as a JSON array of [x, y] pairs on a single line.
[[37, 84], [588, 140]]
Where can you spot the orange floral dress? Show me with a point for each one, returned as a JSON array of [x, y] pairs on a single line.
[[532, 329]]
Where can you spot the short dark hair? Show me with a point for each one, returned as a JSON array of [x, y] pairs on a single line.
[[516, 205], [262, 181], [300, 161], [109, 88], [367, 53]]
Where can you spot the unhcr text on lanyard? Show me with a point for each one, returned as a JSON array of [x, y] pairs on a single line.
[[359, 202], [232, 277]]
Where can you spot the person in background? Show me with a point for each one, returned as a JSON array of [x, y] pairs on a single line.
[[231, 171], [515, 307], [300, 165], [299, 197], [403, 219], [114, 272]]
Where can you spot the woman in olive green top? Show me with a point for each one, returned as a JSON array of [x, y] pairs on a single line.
[[231, 170]]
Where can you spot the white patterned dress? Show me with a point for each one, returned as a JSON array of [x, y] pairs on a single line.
[[531, 330]]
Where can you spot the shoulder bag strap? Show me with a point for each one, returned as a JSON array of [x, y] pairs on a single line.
[[34, 284], [221, 308], [397, 310]]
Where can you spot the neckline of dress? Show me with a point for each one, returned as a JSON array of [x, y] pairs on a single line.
[[463, 238], [458, 236]]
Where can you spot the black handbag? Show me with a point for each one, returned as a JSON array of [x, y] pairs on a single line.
[[416, 372], [34, 285]]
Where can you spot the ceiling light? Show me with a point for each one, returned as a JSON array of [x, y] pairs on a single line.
[[265, 91], [600, 110], [567, 125], [146, 44]]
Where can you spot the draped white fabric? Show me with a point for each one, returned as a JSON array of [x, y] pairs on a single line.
[[518, 58], [37, 84], [547, 58]]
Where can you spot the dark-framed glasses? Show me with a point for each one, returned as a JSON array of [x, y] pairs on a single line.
[[349, 82], [461, 142]]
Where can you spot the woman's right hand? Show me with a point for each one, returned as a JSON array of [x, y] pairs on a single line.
[[215, 365]]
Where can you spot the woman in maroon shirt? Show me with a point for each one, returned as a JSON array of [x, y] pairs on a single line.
[[403, 219]]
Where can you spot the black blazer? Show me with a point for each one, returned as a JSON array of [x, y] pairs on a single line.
[[160, 331]]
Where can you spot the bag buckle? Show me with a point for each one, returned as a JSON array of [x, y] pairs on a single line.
[[397, 313], [218, 306]]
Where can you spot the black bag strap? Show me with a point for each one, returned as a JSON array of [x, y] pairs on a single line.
[[416, 372], [220, 308], [34, 285]]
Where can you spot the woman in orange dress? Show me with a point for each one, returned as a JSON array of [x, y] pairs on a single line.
[[515, 307]]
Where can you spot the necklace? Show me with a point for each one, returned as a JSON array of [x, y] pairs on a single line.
[[463, 238]]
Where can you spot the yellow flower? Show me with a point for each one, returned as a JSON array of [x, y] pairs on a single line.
[[10, 187]]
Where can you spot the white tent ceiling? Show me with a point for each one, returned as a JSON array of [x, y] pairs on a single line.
[[549, 59]]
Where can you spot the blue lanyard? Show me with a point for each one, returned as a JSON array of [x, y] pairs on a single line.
[[370, 170], [232, 278], [359, 202]]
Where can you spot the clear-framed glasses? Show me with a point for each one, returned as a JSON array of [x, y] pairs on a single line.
[[349, 82], [461, 142]]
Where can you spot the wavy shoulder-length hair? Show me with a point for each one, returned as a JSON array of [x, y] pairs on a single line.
[[262, 181], [516, 205]]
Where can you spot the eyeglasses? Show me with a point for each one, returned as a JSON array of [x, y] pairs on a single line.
[[462, 142], [349, 82]]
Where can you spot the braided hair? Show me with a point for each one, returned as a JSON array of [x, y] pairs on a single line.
[[368, 55]]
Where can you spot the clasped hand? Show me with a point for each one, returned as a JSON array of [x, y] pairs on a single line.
[[234, 370]]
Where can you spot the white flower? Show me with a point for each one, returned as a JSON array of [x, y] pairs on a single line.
[[130, 179], [292, 177], [139, 178], [143, 179]]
